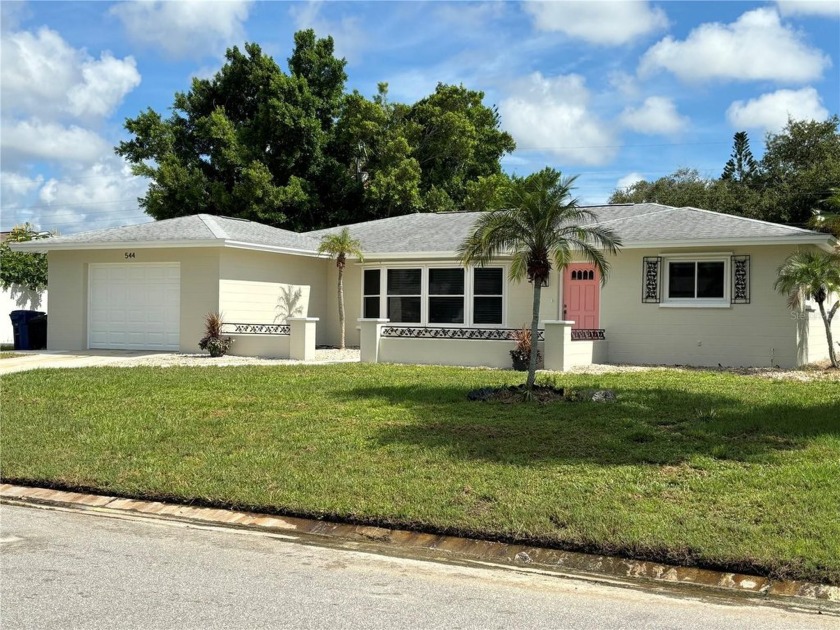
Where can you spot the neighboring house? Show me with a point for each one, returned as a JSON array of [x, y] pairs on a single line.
[[688, 287], [17, 298]]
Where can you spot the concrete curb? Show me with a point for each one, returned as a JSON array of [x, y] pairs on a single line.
[[603, 569]]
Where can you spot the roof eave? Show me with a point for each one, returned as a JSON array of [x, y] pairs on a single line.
[[824, 241], [45, 246], [273, 248]]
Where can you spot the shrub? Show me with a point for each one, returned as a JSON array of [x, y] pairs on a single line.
[[213, 341], [521, 356]]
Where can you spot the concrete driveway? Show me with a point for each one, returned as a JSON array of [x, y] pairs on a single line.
[[32, 360]]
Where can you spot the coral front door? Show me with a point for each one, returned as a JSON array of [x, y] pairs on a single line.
[[581, 295]]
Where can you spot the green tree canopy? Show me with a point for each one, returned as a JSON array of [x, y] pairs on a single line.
[[741, 165], [293, 149], [790, 184], [23, 269]]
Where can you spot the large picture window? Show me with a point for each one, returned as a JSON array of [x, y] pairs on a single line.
[[696, 282], [435, 296]]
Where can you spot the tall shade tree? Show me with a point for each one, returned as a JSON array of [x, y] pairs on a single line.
[[339, 246], [23, 269], [540, 225], [814, 274]]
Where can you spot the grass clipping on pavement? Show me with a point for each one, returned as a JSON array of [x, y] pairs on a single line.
[[696, 468]]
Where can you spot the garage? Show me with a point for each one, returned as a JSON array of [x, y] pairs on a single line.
[[134, 306]]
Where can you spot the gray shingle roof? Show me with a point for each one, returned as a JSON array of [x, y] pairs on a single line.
[[636, 224], [441, 233], [194, 228]]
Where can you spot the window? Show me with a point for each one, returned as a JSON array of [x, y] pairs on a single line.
[[434, 296], [370, 300], [696, 282], [446, 296], [487, 295], [404, 295]]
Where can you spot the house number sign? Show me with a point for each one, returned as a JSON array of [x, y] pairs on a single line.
[[129, 255]]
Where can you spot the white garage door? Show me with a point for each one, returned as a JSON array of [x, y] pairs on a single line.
[[134, 306]]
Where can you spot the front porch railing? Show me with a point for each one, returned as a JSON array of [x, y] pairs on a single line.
[[256, 329], [484, 334], [588, 334]]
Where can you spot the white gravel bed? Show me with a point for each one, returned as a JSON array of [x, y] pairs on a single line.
[[322, 355]]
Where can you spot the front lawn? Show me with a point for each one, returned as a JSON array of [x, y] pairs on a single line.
[[698, 468]]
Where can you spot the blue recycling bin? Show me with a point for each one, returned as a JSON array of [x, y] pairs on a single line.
[[20, 327]]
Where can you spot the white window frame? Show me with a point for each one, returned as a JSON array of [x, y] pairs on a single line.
[[722, 302], [424, 296], [471, 273]]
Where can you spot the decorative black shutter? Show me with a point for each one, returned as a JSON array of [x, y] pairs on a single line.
[[740, 280], [651, 268]]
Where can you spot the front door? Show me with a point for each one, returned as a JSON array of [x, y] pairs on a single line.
[[581, 295]]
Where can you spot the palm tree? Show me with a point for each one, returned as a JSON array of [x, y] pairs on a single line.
[[339, 246], [817, 274], [539, 224]]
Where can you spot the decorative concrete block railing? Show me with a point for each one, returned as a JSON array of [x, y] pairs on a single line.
[[563, 351], [488, 347], [293, 340]]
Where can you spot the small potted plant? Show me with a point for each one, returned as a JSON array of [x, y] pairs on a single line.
[[521, 355], [213, 341]]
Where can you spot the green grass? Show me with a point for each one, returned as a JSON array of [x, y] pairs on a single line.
[[697, 468], [9, 355]]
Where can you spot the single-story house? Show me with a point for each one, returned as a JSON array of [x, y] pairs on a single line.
[[689, 286]]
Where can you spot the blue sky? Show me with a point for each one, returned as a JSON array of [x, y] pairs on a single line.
[[611, 91]]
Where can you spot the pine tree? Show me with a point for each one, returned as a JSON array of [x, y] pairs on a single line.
[[741, 166]]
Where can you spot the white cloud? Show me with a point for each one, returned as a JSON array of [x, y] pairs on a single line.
[[771, 111], [16, 185], [104, 84], [101, 195], [552, 114], [186, 28], [44, 76], [28, 140], [625, 84], [757, 46], [657, 115], [606, 23], [628, 180], [827, 8]]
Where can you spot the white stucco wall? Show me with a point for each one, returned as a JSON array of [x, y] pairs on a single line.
[[261, 287], [68, 282], [812, 340], [17, 298], [267, 346], [761, 333]]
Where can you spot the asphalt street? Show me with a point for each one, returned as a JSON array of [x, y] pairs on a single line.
[[74, 570]]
